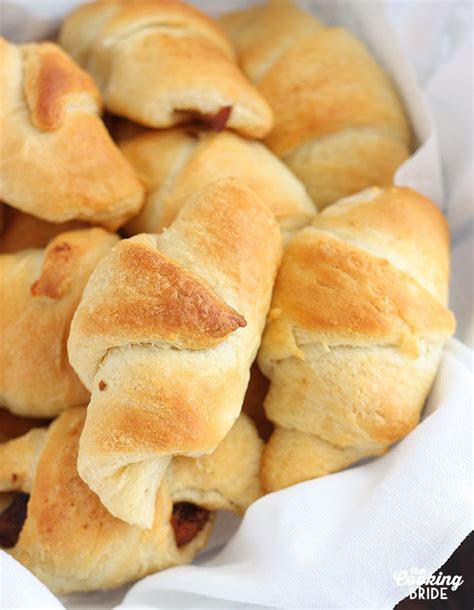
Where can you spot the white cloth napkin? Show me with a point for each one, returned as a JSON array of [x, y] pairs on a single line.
[[20, 589], [337, 541]]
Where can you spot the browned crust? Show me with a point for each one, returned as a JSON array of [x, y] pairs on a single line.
[[56, 272], [398, 213], [42, 289], [153, 295], [331, 83], [342, 289], [51, 78], [337, 288], [58, 161], [62, 257], [58, 493]]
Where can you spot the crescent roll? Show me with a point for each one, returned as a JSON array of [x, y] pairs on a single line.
[[57, 160], [164, 337], [176, 163], [356, 329], [39, 292], [339, 124], [62, 533], [163, 62]]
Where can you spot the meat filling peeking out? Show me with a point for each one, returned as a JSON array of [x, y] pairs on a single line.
[[187, 521], [12, 520]]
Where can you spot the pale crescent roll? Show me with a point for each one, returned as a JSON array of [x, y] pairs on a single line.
[[164, 338], [356, 330]]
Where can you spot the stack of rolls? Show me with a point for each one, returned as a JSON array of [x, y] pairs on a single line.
[[155, 264]]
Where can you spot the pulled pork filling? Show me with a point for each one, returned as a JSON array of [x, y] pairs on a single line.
[[217, 121], [213, 122], [12, 520], [187, 521]]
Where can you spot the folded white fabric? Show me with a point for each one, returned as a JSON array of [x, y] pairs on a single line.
[[19, 588]]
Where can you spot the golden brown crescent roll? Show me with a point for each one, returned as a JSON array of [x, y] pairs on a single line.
[[355, 333], [226, 479], [162, 62], [164, 337], [72, 543], [339, 124], [39, 292], [176, 163], [57, 160], [21, 230]]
